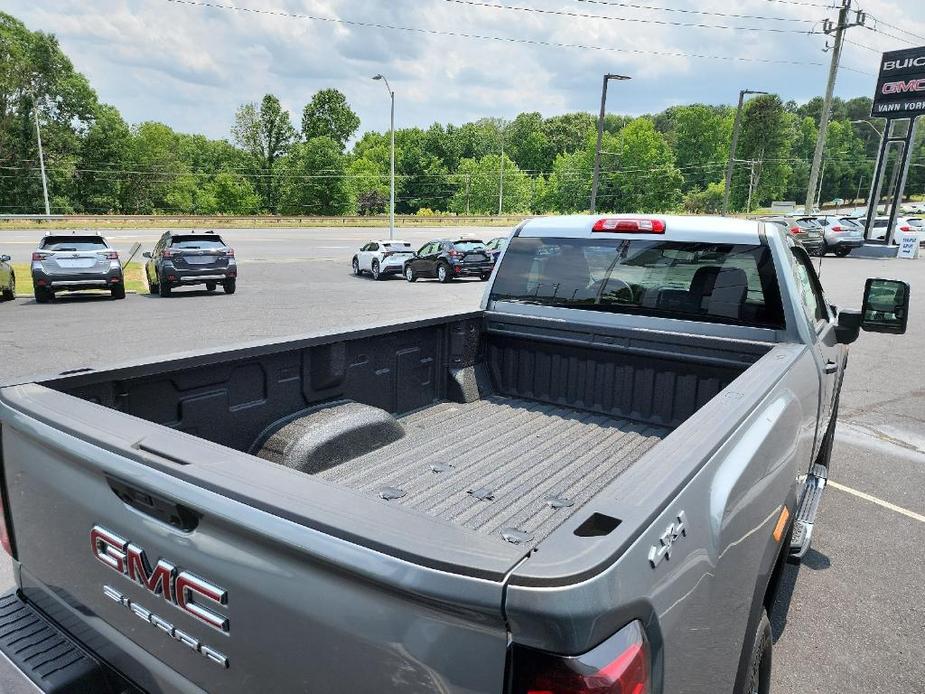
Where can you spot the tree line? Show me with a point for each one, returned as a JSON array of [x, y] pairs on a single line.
[[673, 160]]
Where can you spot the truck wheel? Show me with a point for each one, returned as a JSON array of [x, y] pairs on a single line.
[[118, 291], [443, 273], [375, 270], [163, 289], [758, 677], [409, 274], [842, 252], [229, 285]]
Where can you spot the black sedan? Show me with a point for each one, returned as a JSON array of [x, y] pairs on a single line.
[[447, 259]]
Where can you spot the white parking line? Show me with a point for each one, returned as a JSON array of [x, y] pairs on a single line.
[[879, 502]]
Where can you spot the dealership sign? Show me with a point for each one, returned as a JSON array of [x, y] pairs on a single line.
[[900, 84]]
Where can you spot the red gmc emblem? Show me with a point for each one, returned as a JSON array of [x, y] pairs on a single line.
[[181, 589]]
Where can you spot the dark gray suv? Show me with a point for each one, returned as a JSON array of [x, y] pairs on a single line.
[[186, 258]]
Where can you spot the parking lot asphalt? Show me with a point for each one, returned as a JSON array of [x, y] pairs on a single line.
[[851, 618]]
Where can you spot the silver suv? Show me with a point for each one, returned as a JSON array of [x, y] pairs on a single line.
[[842, 233], [73, 262]]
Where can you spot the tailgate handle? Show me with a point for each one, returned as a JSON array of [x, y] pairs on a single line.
[[166, 511]]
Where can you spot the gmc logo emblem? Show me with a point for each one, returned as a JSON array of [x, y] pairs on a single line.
[[902, 87], [181, 589]]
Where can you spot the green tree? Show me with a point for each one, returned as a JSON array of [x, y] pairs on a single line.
[[479, 188], [707, 201], [644, 177], [528, 144], [104, 154], [569, 132], [765, 140], [265, 132], [314, 180], [228, 193], [700, 135], [568, 189], [36, 74], [329, 115], [423, 179]]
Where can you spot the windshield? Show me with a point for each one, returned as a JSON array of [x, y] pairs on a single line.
[[722, 283], [73, 243], [196, 242]]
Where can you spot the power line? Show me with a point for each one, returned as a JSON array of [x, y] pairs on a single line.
[[900, 29], [885, 33], [825, 5], [639, 20], [734, 15], [504, 39]]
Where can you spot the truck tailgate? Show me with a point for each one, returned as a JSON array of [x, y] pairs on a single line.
[[179, 587]]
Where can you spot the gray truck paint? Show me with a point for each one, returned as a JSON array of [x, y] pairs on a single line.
[[333, 589]]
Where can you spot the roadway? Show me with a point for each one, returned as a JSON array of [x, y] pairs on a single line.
[[849, 619]]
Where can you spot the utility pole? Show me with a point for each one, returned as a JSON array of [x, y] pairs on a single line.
[[839, 30], [391, 157], [600, 137], [501, 179], [468, 176], [736, 128], [751, 185], [38, 137]]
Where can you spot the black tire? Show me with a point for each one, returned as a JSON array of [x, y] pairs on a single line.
[[377, 275], [153, 287], [409, 274], [444, 274], [211, 286], [758, 675], [484, 276], [356, 268], [163, 289], [10, 292], [43, 295], [842, 252], [118, 291], [230, 285]]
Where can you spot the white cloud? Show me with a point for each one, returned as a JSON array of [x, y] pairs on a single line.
[[191, 67]]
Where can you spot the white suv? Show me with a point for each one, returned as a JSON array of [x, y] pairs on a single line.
[[382, 258]]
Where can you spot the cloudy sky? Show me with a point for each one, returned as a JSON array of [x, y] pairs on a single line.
[[191, 65]]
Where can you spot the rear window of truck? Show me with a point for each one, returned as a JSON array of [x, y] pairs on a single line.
[[73, 243], [720, 283]]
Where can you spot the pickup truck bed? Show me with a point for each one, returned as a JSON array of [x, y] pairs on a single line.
[[530, 458]]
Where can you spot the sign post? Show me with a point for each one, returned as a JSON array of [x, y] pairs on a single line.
[[900, 96]]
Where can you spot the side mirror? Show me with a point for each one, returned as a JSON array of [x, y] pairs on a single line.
[[4, 258], [886, 306], [146, 254]]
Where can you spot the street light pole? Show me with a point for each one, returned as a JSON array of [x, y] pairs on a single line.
[[872, 126], [736, 128], [501, 177], [38, 137], [600, 137], [392, 156]]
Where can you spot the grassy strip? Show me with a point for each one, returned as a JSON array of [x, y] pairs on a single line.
[[166, 222], [134, 277]]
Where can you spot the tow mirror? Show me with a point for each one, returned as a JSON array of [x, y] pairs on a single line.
[[886, 306], [146, 254]]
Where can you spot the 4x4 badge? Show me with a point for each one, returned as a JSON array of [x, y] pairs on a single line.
[[671, 535]]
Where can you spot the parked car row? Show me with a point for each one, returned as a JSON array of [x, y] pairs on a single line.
[[823, 233], [79, 261], [441, 259]]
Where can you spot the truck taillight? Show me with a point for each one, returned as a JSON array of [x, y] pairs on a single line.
[[620, 665], [638, 226]]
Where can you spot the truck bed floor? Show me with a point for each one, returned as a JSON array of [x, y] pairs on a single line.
[[515, 454]]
